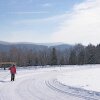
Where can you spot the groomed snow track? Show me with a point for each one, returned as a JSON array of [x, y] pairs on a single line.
[[35, 85], [81, 93]]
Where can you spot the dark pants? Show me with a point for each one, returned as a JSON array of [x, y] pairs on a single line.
[[12, 77]]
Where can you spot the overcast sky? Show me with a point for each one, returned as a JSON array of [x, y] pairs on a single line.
[[47, 21]]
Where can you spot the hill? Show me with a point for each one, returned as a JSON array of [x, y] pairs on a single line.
[[5, 46]]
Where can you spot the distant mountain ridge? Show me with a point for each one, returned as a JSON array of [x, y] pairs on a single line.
[[5, 46]]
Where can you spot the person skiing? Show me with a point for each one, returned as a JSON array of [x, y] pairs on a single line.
[[13, 72]]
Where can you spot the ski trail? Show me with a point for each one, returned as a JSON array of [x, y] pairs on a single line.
[[32, 86]]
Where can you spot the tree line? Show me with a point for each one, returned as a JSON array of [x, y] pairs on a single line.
[[76, 55]]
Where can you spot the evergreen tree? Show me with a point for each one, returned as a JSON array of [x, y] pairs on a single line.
[[36, 62], [90, 54], [53, 57], [81, 57], [62, 62], [72, 58], [98, 54]]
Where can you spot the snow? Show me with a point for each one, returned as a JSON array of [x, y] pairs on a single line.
[[87, 79], [56, 83]]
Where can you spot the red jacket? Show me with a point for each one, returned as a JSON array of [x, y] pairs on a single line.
[[12, 70]]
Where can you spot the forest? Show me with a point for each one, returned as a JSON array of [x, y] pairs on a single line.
[[76, 55]]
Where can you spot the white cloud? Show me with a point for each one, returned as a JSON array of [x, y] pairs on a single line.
[[46, 5], [41, 20], [82, 26]]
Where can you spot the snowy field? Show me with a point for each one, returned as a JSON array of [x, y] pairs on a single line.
[[87, 79], [58, 83]]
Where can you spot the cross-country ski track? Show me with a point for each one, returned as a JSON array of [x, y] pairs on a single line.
[[34, 85]]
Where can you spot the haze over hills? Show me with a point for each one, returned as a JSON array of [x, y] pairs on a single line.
[[4, 46]]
